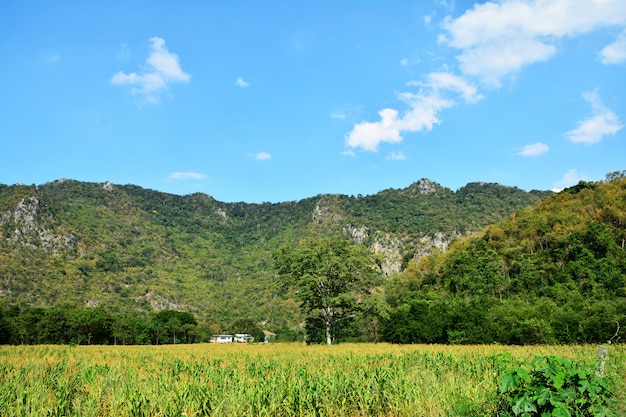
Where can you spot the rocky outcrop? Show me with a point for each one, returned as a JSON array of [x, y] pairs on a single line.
[[426, 186], [390, 247], [28, 225]]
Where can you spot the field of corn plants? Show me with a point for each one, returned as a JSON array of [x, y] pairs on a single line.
[[272, 379]]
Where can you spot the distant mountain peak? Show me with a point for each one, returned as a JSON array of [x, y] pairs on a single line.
[[425, 186]]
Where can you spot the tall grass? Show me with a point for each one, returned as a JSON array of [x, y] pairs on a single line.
[[266, 380]]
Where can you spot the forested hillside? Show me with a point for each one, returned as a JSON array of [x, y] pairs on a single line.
[[122, 249], [552, 273]]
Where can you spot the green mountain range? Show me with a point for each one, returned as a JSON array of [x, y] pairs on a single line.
[[127, 249]]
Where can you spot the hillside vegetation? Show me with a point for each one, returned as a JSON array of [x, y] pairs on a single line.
[[520, 270], [552, 273]]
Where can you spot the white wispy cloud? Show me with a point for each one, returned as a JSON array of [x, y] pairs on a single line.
[[124, 52], [423, 113], [162, 68], [446, 4], [346, 112], [396, 156], [601, 122], [570, 178], [189, 175], [495, 40], [534, 149], [498, 39], [240, 82], [438, 81], [615, 53], [262, 156]]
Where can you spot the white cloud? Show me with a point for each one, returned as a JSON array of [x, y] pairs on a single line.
[[262, 156], [498, 39], [570, 178], [367, 135], [187, 176], [396, 156], [423, 113], [240, 82], [534, 149], [601, 122], [447, 81], [162, 68], [615, 53], [495, 40]]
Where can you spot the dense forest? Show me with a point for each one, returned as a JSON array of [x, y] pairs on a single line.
[[554, 273], [104, 263]]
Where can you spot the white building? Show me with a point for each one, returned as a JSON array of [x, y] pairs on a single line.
[[222, 338], [229, 338], [243, 338]]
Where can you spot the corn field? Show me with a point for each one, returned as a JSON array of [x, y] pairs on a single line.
[[269, 380]]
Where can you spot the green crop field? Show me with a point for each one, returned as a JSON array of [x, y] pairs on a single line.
[[272, 379]]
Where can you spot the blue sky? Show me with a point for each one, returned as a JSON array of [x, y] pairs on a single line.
[[277, 101]]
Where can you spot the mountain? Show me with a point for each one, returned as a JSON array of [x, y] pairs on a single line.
[[128, 249], [551, 273]]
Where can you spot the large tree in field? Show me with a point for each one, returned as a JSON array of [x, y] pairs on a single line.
[[330, 275]]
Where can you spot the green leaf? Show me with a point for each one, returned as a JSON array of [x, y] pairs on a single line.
[[508, 382], [560, 411], [558, 380], [524, 405]]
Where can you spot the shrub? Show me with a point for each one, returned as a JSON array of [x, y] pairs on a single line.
[[554, 387]]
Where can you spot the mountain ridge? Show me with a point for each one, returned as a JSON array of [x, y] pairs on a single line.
[[127, 248], [416, 184]]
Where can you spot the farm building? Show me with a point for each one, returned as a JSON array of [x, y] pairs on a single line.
[[268, 336], [222, 338], [229, 338]]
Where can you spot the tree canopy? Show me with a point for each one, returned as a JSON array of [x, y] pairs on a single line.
[[329, 275]]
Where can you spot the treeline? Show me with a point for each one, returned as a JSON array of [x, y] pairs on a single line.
[[94, 325], [448, 319]]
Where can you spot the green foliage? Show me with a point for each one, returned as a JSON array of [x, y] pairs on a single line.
[[248, 326], [132, 251], [66, 324], [553, 386], [330, 276], [555, 273]]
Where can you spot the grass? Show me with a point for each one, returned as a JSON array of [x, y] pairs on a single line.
[[268, 380]]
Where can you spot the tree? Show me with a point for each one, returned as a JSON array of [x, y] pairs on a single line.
[[5, 324], [89, 325], [248, 326], [126, 329], [173, 325], [330, 275]]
